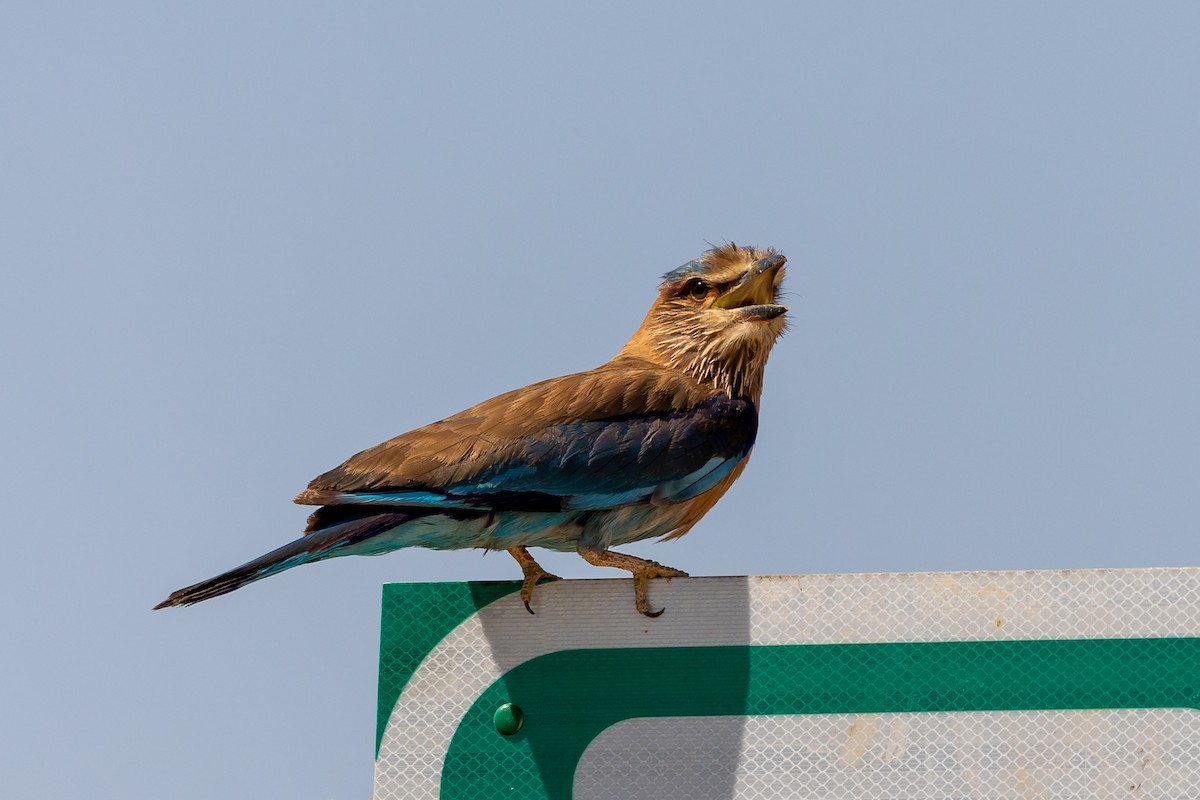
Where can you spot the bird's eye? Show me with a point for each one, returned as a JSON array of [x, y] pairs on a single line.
[[695, 289]]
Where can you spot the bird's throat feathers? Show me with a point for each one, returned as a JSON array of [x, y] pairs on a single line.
[[689, 330]]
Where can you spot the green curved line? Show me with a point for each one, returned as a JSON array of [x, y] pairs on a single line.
[[569, 697], [414, 618]]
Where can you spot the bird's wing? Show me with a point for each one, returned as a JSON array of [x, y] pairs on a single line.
[[612, 436]]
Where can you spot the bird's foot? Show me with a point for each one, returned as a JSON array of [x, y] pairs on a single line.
[[642, 570], [533, 573]]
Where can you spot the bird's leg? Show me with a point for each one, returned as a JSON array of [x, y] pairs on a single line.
[[643, 570], [533, 573]]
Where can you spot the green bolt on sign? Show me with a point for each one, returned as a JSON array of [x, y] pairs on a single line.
[[1073, 684]]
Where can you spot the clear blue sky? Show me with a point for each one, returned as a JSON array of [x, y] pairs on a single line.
[[241, 241]]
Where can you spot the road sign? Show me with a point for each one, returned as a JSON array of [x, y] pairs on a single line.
[[931, 685]]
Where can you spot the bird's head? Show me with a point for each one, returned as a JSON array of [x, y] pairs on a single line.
[[716, 318]]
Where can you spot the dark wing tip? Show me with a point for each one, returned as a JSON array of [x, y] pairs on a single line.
[[179, 598], [222, 584]]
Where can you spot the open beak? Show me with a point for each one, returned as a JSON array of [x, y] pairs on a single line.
[[755, 292]]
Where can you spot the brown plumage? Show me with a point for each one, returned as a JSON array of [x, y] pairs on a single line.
[[446, 452]]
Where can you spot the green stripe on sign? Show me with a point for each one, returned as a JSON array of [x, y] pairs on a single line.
[[415, 617], [569, 697]]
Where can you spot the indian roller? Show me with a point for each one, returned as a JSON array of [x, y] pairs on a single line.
[[639, 447]]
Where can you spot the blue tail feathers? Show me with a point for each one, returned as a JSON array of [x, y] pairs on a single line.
[[316, 545]]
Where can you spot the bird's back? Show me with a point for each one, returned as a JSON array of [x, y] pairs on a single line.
[[458, 449]]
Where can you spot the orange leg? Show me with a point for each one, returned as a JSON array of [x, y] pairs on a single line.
[[643, 570], [533, 573]]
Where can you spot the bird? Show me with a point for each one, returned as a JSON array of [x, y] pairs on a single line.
[[639, 447]]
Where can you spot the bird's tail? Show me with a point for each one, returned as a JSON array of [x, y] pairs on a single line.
[[313, 546]]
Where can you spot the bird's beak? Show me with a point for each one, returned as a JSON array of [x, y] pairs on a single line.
[[756, 289]]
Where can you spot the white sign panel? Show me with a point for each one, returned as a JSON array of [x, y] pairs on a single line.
[[1075, 684]]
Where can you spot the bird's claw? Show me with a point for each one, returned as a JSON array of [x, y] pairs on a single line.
[[641, 579], [531, 580], [642, 570], [533, 574]]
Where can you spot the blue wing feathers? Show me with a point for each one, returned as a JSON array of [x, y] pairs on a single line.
[[407, 499], [599, 463], [584, 465], [699, 482]]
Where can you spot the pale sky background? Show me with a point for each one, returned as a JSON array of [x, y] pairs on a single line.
[[242, 241]]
